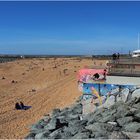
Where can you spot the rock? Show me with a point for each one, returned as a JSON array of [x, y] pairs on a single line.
[[137, 117], [122, 111], [56, 112], [51, 125], [136, 105], [80, 135], [76, 109], [73, 117], [97, 127], [37, 126], [123, 95], [71, 130], [136, 93], [134, 110], [101, 134], [132, 135], [95, 116], [137, 100], [56, 134], [66, 134], [98, 112], [78, 123], [109, 102], [30, 136], [131, 102], [118, 135], [75, 127], [61, 117], [42, 135], [47, 118], [106, 119], [65, 112], [117, 105], [103, 123], [88, 106], [124, 120], [132, 127], [43, 123], [131, 90], [112, 123], [79, 99], [108, 116]]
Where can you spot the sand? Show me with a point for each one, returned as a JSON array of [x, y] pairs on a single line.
[[44, 84]]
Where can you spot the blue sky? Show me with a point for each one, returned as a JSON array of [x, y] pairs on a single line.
[[83, 28]]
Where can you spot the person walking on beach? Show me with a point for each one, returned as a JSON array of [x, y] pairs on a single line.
[[118, 56], [114, 56], [104, 74]]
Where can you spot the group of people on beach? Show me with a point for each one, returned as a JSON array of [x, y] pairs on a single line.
[[21, 106], [115, 56]]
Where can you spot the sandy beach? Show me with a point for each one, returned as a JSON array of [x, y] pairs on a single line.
[[44, 84]]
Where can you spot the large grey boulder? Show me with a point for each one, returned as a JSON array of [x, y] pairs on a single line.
[[42, 135], [30, 136], [105, 122], [75, 127], [37, 128], [108, 116], [109, 102], [76, 109], [136, 93], [136, 105], [57, 134], [52, 124], [118, 135], [122, 111], [97, 127], [56, 112], [123, 95], [82, 135], [124, 120], [65, 112], [101, 134], [132, 127], [73, 117], [94, 116], [132, 135], [138, 116]]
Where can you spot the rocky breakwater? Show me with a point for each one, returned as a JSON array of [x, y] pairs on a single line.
[[118, 121]]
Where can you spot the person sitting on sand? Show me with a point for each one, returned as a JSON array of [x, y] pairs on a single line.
[[22, 105], [17, 106]]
